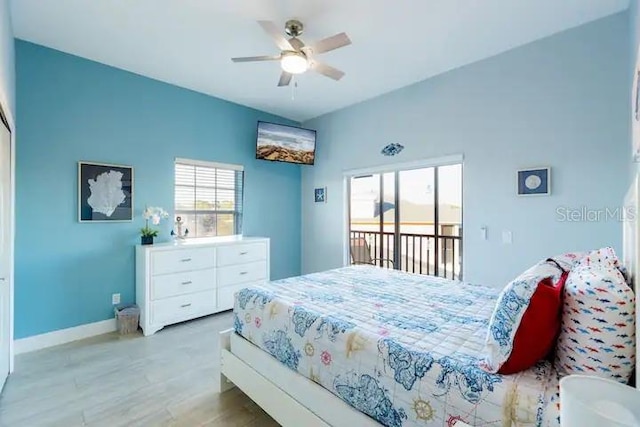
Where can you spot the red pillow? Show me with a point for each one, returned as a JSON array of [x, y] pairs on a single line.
[[536, 336]]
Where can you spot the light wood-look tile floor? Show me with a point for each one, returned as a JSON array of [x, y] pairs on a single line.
[[168, 379]]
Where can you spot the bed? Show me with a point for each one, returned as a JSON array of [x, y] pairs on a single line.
[[306, 394], [362, 346]]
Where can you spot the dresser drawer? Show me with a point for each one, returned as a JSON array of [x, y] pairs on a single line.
[[226, 295], [183, 307], [240, 254], [242, 273], [169, 285], [175, 261]]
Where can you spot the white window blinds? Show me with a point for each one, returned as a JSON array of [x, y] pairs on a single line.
[[208, 197]]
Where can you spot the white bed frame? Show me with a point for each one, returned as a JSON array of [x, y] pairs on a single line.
[[288, 397], [293, 400]]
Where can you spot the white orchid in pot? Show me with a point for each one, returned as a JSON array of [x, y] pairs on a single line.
[[155, 215]]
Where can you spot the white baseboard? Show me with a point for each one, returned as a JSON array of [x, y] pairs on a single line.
[[63, 336]]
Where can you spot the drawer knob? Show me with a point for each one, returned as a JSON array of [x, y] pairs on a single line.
[[185, 305], [188, 282], [242, 273], [244, 253], [185, 260]]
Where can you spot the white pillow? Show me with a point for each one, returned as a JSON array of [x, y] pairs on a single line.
[[570, 259], [597, 336], [607, 255]]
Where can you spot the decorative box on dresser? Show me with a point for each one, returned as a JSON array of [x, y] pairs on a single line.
[[182, 281]]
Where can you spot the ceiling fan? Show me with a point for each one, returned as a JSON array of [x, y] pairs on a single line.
[[296, 57]]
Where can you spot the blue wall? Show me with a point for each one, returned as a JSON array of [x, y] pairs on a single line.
[[561, 102], [71, 109]]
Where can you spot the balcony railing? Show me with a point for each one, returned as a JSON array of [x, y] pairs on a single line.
[[418, 253]]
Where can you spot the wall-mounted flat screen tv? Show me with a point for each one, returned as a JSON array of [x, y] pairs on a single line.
[[289, 144]]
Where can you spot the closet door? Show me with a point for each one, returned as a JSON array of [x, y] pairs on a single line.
[[5, 249]]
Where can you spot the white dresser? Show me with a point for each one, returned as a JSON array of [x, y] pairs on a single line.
[[178, 282]]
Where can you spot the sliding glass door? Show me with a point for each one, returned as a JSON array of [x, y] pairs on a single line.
[[409, 220]]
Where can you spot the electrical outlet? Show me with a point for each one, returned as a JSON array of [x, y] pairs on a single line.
[[115, 299]]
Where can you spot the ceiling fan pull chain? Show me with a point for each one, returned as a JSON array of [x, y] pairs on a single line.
[[294, 86]]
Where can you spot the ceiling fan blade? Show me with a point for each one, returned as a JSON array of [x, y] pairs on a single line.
[[327, 70], [285, 79], [331, 43], [296, 43], [272, 29], [257, 58]]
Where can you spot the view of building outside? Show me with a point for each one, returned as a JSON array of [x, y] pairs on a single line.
[[416, 204]]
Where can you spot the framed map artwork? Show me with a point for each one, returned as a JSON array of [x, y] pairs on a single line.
[[105, 192]]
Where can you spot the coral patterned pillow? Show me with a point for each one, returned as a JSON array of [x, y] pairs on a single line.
[[539, 328], [525, 322], [597, 335]]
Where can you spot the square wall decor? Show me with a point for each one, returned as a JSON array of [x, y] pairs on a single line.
[[534, 182], [105, 192], [321, 195]]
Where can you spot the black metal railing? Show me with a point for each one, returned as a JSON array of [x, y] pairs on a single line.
[[416, 253]]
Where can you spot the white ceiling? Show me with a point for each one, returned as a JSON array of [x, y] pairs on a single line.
[[189, 43]]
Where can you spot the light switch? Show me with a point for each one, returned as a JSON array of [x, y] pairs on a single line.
[[483, 233], [507, 238]]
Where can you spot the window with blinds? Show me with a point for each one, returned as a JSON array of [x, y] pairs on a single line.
[[208, 197]]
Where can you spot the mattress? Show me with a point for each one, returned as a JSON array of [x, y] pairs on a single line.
[[402, 348]]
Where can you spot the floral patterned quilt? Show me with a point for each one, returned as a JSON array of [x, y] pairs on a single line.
[[402, 348]]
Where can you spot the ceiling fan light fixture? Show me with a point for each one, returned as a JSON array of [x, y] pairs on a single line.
[[294, 63], [295, 56]]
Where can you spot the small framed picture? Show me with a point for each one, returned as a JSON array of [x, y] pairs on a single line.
[[534, 182], [105, 192], [320, 195]]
